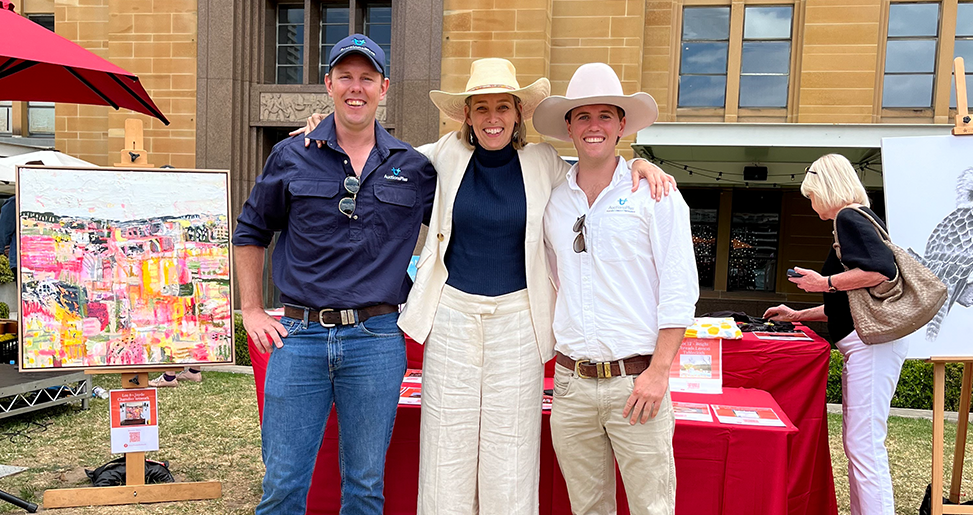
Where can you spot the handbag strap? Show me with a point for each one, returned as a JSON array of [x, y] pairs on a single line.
[[882, 233]]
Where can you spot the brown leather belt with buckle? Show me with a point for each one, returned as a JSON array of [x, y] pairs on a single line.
[[588, 370], [331, 317]]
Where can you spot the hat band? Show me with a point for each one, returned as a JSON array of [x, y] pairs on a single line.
[[491, 86]]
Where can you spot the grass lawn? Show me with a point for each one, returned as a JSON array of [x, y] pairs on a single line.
[[210, 431]]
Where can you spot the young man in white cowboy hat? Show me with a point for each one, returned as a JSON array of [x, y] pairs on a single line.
[[347, 213], [627, 291]]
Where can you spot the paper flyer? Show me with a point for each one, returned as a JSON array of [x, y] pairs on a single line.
[[747, 416], [410, 394], [785, 337], [691, 411], [413, 376], [698, 368], [134, 420]]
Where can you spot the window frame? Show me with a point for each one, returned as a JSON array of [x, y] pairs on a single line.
[[732, 112], [790, 57], [682, 41], [884, 50]]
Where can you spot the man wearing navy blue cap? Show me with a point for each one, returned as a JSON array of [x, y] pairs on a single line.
[[348, 213]]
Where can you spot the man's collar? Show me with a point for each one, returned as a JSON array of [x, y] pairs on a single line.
[[621, 171], [384, 142]]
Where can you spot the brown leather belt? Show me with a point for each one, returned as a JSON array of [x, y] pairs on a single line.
[[330, 317], [588, 370]]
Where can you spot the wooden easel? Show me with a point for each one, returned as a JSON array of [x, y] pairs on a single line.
[[963, 127], [135, 490]]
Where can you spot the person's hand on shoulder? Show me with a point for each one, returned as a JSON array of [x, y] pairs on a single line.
[[312, 122], [659, 182]]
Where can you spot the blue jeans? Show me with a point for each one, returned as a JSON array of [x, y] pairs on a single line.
[[359, 369]]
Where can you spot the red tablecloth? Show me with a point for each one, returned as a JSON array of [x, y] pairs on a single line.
[[796, 374], [720, 468]]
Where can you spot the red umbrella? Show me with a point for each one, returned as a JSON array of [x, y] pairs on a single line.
[[37, 64]]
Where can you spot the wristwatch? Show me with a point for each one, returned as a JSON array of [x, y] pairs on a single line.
[[831, 288]]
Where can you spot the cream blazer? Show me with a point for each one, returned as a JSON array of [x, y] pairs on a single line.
[[543, 169]]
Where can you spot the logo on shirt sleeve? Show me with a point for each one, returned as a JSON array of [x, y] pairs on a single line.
[[396, 175]]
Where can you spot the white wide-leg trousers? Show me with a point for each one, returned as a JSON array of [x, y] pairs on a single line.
[[482, 384], [868, 382]]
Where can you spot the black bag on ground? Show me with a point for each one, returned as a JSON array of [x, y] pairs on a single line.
[[113, 473], [926, 507]]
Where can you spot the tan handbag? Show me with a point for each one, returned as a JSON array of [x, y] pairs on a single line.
[[896, 308]]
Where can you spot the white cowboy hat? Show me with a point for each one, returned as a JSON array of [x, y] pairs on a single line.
[[594, 83], [488, 76]]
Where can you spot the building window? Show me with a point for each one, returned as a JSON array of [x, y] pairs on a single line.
[[910, 55], [44, 20], [290, 43], [705, 43], [754, 240], [334, 27], [5, 109], [378, 27], [963, 47], [766, 60], [704, 219], [40, 118]]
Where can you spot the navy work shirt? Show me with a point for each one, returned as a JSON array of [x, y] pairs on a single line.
[[324, 259]]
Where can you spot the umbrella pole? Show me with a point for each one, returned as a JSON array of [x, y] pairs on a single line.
[[18, 502]]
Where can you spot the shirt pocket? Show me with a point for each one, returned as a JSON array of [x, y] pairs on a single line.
[[619, 237], [396, 210], [313, 209]]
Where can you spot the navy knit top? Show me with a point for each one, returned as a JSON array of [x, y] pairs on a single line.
[[486, 249]]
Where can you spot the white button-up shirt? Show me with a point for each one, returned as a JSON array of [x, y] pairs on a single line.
[[637, 276]]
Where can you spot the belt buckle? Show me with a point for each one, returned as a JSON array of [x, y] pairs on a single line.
[[577, 368], [321, 318]]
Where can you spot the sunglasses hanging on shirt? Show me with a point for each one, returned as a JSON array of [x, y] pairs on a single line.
[[579, 242], [347, 204]]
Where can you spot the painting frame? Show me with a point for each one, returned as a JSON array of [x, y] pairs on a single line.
[[194, 250]]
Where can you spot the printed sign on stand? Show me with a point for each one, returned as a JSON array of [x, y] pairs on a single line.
[[134, 420], [698, 368]]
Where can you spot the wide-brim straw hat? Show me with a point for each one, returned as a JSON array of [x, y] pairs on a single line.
[[489, 76], [594, 83]]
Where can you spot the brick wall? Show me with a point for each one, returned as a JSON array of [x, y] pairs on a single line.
[[157, 42]]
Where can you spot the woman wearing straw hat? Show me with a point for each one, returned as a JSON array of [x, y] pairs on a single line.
[[483, 301]]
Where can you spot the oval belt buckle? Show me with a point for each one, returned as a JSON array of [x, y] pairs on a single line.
[[321, 318]]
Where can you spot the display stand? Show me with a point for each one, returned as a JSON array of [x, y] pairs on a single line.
[[963, 127], [135, 491]]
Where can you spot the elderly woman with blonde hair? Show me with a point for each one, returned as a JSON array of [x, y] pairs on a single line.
[[871, 372]]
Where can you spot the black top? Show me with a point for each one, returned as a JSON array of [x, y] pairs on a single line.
[[486, 251], [861, 247]]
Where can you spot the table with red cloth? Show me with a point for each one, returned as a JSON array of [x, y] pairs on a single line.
[[794, 373]]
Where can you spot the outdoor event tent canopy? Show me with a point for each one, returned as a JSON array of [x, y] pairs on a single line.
[[8, 165], [38, 65]]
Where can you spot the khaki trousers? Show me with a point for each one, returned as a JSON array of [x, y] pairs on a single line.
[[589, 434], [482, 383]]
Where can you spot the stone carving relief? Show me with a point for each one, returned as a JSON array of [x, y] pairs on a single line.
[[296, 107]]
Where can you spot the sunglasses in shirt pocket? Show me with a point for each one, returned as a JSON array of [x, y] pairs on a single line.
[[313, 206]]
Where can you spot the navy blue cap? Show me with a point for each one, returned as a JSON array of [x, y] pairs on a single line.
[[358, 44]]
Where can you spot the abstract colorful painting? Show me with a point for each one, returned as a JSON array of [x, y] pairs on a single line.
[[123, 268]]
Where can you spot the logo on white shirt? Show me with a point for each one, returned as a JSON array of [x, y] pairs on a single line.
[[621, 207]]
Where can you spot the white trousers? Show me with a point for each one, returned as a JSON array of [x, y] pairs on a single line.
[[589, 434], [482, 383], [868, 382]]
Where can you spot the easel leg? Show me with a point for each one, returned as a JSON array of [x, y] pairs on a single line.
[[961, 427], [938, 402]]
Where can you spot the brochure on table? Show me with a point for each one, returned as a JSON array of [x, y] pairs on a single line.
[[691, 411], [747, 416], [134, 420], [698, 368]]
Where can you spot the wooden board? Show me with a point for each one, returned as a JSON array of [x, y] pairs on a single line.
[[139, 494]]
